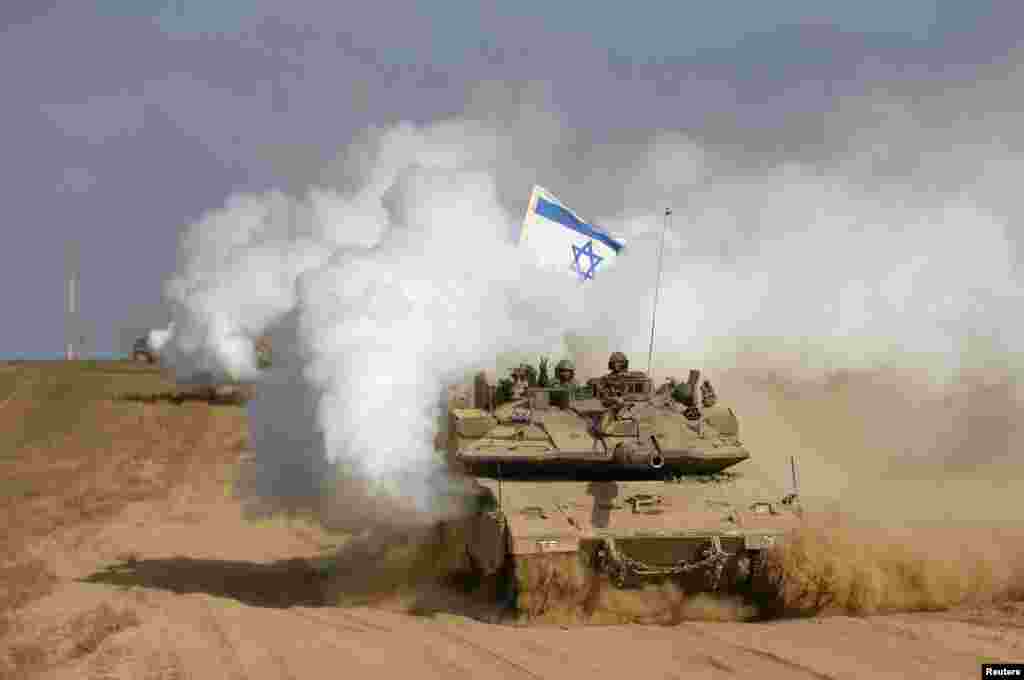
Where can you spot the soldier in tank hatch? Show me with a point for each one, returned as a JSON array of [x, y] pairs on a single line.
[[565, 373], [612, 386]]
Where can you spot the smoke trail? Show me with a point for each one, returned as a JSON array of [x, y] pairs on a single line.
[[441, 293]]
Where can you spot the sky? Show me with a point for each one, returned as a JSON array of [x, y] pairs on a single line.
[[126, 121]]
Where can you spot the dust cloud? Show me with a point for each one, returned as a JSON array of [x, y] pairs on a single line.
[[910, 486], [838, 564]]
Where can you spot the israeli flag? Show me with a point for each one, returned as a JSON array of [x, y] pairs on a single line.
[[561, 240]]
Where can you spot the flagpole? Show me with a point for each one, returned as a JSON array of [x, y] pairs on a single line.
[[657, 288]]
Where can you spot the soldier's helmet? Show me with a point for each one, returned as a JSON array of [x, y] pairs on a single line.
[[564, 367], [618, 362]]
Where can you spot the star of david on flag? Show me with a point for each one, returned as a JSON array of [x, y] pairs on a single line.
[[586, 268], [560, 239]]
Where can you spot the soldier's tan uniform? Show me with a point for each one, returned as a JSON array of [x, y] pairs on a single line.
[[612, 386], [565, 373], [520, 382]]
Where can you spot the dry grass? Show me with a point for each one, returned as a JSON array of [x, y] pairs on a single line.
[[8, 382], [224, 395], [552, 586], [22, 582], [74, 454], [832, 565], [392, 566], [91, 628], [561, 589], [837, 565], [22, 660], [80, 636], [425, 572]]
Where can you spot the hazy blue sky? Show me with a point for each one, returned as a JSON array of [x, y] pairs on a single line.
[[126, 119]]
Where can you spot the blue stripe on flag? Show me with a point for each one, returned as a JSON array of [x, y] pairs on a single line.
[[557, 213]]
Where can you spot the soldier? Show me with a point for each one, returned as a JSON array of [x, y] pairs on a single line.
[[142, 351], [520, 381], [610, 387], [617, 363], [565, 372], [707, 394]]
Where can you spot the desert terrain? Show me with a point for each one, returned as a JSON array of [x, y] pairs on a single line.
[[127, 552]]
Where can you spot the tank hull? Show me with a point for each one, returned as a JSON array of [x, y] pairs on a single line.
[[701, 536]]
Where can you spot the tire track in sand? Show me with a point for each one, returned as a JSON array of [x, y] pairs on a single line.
[[235, 660], [228, 652], [369, 627], [361, 627], [488, 653], [789, 664]]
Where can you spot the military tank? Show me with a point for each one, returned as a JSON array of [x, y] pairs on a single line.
[[612, 479], [142, 351], [206, 386]]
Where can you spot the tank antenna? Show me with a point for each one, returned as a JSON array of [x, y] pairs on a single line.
[[796, 481], [657, 288], [792, 497]]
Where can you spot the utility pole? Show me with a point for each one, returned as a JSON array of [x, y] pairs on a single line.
[[72, 326]]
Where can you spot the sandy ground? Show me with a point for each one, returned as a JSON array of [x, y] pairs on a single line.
[[202, 602], [180, 585]]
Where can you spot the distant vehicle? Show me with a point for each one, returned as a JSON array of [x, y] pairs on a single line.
[[209, 387], [141, 351]]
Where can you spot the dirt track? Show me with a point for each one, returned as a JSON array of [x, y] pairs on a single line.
[[171, 581]]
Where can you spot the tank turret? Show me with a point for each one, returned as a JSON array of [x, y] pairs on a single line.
[[604, 428]]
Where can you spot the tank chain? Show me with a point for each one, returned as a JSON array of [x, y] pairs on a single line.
[[624, 570]]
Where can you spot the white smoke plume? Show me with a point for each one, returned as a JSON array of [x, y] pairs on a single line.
[[895, 247], [374, 299], [159, 337]]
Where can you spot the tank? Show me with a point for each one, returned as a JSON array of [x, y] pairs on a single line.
[[205, 386], [142, 352], [613, 480]]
